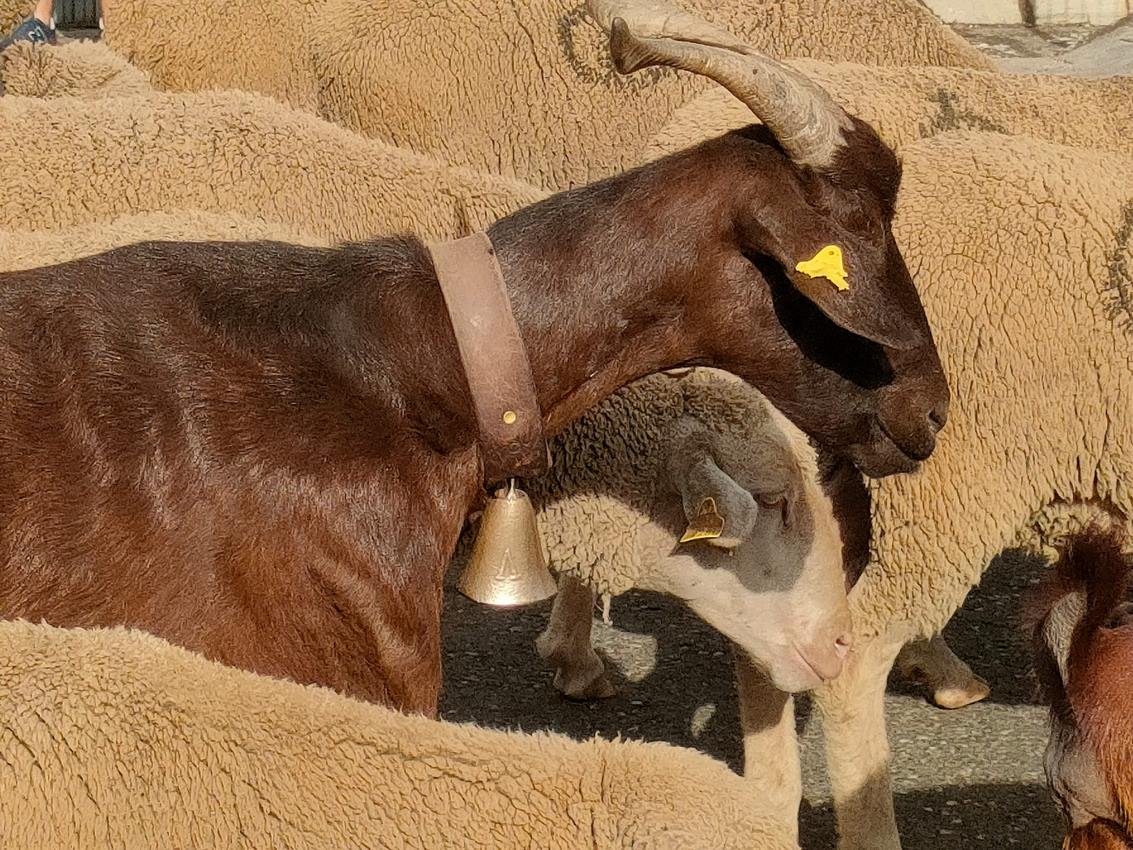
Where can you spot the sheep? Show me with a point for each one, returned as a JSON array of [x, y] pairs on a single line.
[[1082, 633], [21, 250], [87, 69], [630, 475], [1025, 274], [112, 737], [916, 584], [908, 104], [524, 90], [569, 118], [229, 153], [319, 474]]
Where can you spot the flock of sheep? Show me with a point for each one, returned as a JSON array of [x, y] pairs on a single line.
[[1014, 216]]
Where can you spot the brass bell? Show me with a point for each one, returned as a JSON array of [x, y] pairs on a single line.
[[506, 567]]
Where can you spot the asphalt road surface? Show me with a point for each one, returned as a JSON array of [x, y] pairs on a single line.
[[963, 779]]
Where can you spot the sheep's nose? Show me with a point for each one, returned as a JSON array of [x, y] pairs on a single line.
[[827, 657]]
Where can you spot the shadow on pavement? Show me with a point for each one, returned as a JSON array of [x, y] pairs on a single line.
[[951, 818], [986, 632]]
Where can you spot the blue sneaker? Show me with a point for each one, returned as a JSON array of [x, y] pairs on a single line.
[[31, 30]]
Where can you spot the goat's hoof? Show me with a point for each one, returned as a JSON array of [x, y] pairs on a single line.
[[957, 696], [585, 687]]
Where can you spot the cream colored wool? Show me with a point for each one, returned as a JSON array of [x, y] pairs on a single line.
[[14, 11], [531, 91], [1023, 251], [86, 69], [522, 89], [33, 249], [112, 738], [907, 104], [255, 45], [229, 153], [602, 489]]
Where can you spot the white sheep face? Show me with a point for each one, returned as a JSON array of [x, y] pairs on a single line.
[[772, 582]]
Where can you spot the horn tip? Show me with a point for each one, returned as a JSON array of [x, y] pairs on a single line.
[[624, 48]]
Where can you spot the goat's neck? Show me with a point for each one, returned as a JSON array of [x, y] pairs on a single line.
[[614, 281]]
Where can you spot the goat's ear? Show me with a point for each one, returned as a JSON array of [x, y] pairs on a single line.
[[861, 284], [718, 510]]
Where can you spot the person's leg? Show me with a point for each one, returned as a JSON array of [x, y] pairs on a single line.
[[45, 12]]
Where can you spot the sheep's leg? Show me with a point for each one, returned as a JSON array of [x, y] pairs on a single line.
[[933, 663], [579, 672], [771, 748], [857, 749]]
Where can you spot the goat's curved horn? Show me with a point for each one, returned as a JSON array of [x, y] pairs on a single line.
[[661, 19], [803, 117]]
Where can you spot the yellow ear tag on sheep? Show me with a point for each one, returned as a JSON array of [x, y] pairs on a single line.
[[826, 263], [706, 525]]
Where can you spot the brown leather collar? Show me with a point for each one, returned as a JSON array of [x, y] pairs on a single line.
[[494, 358]]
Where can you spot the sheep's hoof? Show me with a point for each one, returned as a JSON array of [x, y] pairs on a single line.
[[585, 687], [957, 696]]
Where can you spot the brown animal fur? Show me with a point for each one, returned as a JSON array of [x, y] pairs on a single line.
[[265, 452], [1085, 664]]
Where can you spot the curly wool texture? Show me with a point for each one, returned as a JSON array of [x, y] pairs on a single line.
[[602, 490], [33, 249], [908, 104], [84, 69], [14, 11], [229, 152], [1023, 251], [117, 738], [526, 90], [255, 45], [544, 67]]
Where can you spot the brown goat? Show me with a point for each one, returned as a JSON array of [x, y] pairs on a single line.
[[1083, 636], [266, 452]]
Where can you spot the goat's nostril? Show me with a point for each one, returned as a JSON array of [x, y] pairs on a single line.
[[938, 416], [843, 643]]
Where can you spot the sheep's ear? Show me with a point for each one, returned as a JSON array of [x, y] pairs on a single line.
[[718, 510]]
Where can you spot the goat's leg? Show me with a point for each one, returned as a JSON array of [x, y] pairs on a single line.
[[579, 672], [857, 749], [950, 681], [771, 748]]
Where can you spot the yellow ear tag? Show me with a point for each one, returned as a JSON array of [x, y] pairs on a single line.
[[706, 525], [826, 263]]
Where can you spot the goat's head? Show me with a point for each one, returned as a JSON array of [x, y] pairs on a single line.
[[845, 348], [760, 559]]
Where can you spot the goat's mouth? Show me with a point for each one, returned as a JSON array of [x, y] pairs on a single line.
[[884, 455]]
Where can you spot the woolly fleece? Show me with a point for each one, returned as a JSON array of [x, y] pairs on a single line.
[[601, 493], [116, 738], [14, 11], [907, 104], [533, 93], [229, 152], [86, 69], [1026, 274], [526, 90]]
